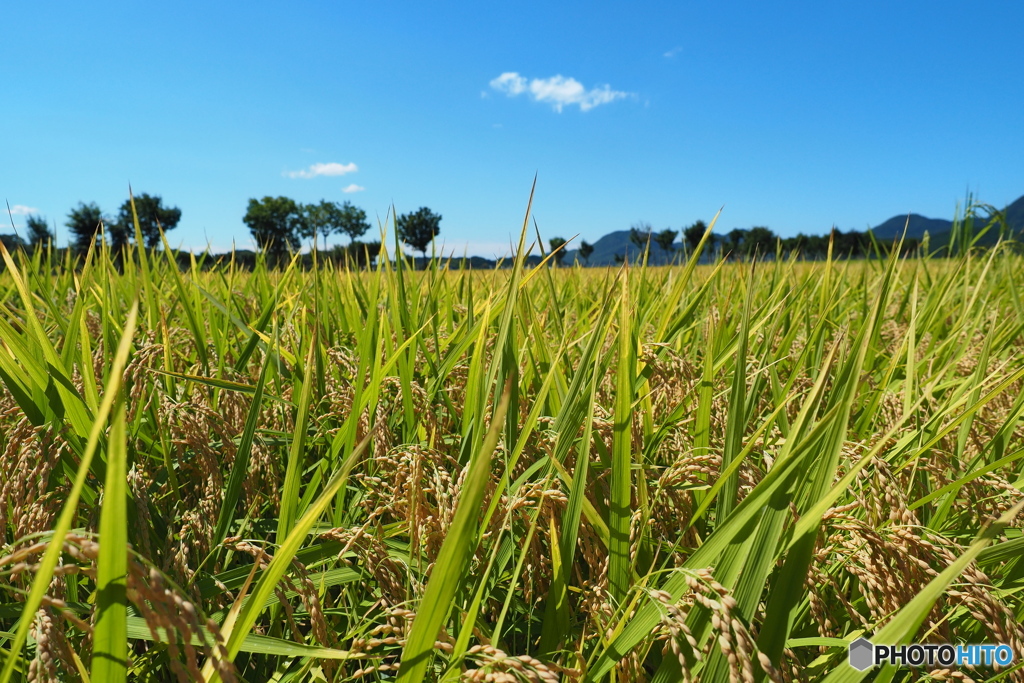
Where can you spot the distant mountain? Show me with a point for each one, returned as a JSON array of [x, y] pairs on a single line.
[[915, 225], [618, 242], [1015, 215], [939, 228]]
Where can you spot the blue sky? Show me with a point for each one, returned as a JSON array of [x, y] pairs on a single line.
[[794, 115]]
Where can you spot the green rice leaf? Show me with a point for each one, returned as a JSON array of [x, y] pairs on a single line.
[[44, 574], [110, 649], [448, 572]]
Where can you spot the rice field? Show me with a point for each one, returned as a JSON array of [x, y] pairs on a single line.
[[713, 472]]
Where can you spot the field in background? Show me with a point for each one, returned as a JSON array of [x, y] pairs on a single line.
[[721, 472]]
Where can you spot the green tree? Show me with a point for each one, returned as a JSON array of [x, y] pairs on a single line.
[[419, 228], [39, 234], [759, 239], [736, 238], [357, 253], [153, 217], [350, 220], [801, 244], [640, 234], [276, 224], [368, 252], [665, 239], [693, 234], [317, 217], [327, 217], [556, 243], [84, 221], [118, 237], [586, 249]]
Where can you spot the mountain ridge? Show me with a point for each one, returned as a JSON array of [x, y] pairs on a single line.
[[617, 242]]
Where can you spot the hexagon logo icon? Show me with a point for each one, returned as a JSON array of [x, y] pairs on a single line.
[[862, 654]]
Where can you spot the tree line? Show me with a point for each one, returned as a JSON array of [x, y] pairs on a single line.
[[737, 243], [280, 224], [87, 221], [277, 224]]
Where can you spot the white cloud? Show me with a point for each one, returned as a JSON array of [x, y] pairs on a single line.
[[329, 169], [352, 188], [509, 83], [673, 52], [558, 91], [22, 210]]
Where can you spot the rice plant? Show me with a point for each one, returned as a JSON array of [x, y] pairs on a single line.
[[722, 472]]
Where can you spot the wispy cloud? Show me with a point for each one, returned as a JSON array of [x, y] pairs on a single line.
[[352, 188], [673, 52], [329, 169], [510, 83], [558, 91], [22, 210]]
